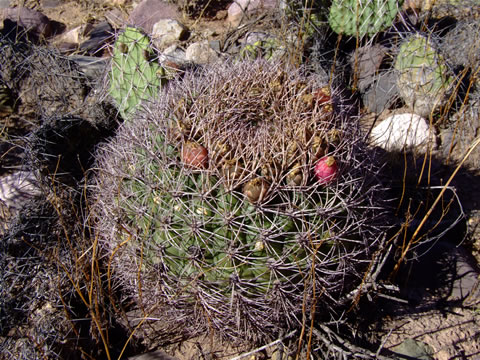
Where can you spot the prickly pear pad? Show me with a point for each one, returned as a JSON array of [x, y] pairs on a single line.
[[245, 243], [359, 18], [135, 74]]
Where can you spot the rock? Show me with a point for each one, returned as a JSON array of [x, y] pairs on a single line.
[[382, 93], [240, 9], [149, 12], [201, 53], [4, 4], [365, 62], [401, 131], [70, 40], [413, 349], [92, 67], [167, 32], [34, 22], [98, 38]]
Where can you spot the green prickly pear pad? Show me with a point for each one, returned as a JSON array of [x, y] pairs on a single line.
[[134, 75]]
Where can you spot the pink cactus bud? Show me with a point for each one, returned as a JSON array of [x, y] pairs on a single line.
[[326, 170]]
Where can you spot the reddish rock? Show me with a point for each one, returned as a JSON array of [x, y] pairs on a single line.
[[33, 21], [149, 12], [241, 8]]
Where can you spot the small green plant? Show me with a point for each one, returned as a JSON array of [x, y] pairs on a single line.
[[423, 77], [135, 74], [360, 18]]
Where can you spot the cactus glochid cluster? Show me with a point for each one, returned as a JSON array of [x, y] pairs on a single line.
[[135, 74], [239, 198], [360, 18]]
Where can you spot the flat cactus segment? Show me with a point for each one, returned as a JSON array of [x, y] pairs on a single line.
[[134, 75], [423, 76], [359, 18]]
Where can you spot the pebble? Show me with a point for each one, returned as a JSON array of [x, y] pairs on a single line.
[[201, 53], [382, 93], [167, 32]]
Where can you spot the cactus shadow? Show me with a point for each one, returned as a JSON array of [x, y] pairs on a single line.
[[439, 274]]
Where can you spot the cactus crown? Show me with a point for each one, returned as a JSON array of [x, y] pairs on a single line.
[[360, 18], [135, 74]]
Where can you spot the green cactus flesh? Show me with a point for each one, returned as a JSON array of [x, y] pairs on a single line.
[[193, 237], [360, 18], [423, 76], [134, 75]]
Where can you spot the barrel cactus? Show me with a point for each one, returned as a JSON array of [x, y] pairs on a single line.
[[423, 76], [135, 74], [359, 18], [239, 199]]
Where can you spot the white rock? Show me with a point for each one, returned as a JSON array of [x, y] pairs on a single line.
[[201, 53], [167, 32], [402, 131]]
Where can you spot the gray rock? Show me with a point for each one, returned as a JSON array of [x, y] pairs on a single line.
[[173, 54], [167, 32], [414, 349], [201, 53], [365, 63], [382, 93], [99, 35]]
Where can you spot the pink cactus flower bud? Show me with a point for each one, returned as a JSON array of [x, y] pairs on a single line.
[[326, 170]]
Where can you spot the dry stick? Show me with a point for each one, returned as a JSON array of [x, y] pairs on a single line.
[[242, 356], [427, 215]]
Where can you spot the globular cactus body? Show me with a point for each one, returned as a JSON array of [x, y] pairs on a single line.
[[208, 202], [135, 74], [359, 18], [423, 77]]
